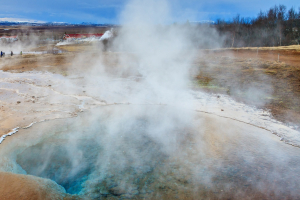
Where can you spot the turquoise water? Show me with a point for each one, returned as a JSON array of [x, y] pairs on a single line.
[[106, 154]]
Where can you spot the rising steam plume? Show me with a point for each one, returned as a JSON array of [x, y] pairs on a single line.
[[148, 141]]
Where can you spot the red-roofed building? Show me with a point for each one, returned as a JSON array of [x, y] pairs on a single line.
[[9, 38]]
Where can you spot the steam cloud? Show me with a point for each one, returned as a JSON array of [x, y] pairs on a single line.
[[148, 140]]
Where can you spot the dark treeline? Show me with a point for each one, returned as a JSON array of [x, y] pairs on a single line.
[[275, 27]]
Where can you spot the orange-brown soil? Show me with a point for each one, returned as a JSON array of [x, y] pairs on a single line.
[[234, 71], [23, 187]]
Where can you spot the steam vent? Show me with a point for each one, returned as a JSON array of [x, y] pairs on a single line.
[[146, 102]]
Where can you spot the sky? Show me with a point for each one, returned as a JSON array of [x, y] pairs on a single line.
[[108, 11]]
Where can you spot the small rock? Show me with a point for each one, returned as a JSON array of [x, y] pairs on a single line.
[[18, 101], [49, 85], [117, 191], [222, 110], [281, 139]]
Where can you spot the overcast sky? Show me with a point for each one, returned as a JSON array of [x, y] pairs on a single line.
[[108, 11]]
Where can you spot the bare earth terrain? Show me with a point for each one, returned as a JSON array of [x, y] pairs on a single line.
[[243, 72], [35, 88]]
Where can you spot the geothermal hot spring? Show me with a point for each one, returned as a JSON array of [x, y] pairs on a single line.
[[153, 136], [156, 151]]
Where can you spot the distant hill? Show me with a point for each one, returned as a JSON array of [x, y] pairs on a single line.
[[21, 23]]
